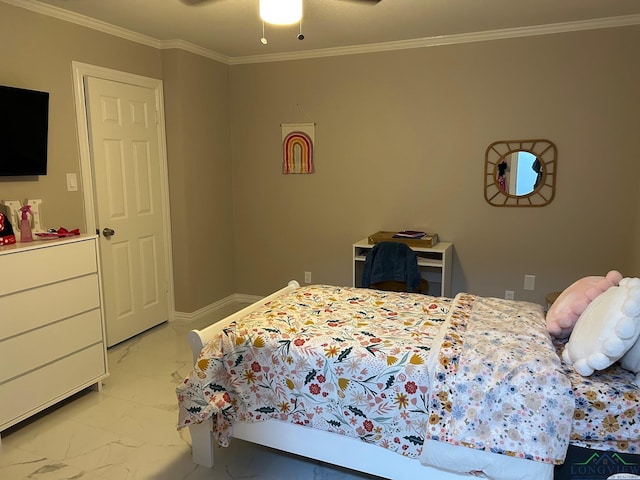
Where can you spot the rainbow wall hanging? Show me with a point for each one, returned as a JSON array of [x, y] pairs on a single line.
[[297, 147]]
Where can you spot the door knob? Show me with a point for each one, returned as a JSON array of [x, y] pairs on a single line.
[[108, 232]]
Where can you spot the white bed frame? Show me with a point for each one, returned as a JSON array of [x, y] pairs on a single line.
[[319, 445]]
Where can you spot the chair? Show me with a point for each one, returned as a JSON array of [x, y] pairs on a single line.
[[393, 266]]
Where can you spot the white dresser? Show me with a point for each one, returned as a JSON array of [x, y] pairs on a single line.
[[52, 338]]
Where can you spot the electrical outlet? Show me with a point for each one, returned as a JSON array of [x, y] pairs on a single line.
[[307, 277], [509, 294], [529, 282]]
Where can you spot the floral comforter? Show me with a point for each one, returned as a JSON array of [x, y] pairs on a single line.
[[392, 369], [498, 384], [345, 360], [607, 413]]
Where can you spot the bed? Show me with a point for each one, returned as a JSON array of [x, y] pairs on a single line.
[[400, 386]]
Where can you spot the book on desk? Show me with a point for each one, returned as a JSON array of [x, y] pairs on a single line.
[[410, 237]]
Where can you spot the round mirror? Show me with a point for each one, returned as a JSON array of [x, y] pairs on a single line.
[[520, 173]]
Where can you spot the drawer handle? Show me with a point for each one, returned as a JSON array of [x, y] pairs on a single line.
[[108, 232]]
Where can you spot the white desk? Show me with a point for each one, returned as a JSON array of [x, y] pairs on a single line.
[[434, 264]]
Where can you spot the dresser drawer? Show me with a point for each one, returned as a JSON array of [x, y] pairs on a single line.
[[48, 264], [23, 353], [37, 307], [28, 394]]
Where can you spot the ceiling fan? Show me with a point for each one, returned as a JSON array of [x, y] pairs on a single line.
[[279, 12]]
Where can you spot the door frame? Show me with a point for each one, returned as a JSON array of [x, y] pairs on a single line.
[[80, 72]]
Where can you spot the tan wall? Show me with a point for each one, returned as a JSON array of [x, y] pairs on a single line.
[[635, 252], [36, 52], [400, 143], [199, 152]]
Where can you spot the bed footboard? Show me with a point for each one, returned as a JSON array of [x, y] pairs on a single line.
[[202, 443]]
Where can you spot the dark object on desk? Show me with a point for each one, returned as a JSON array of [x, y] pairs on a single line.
[[410, 234], [393, 266]]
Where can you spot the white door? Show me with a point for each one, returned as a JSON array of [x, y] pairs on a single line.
[[124, 146]]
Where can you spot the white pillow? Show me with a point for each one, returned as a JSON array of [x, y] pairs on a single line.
[[606, 330], [631, 361]]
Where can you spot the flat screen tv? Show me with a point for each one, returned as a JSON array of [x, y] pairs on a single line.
[[24, 131]]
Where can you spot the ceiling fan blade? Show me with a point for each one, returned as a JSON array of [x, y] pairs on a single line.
[[195, 2], [372, 2]]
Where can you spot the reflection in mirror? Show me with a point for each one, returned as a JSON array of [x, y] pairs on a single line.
[[526, 172], [520, 173]]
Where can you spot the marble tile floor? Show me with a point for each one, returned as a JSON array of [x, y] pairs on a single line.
[[127, 431]]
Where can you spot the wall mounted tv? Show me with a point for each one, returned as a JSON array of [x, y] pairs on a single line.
[[24, 131]]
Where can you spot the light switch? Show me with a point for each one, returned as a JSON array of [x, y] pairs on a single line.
[[72, 182]]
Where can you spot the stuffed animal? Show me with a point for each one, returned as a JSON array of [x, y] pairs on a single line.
[[565, 311]]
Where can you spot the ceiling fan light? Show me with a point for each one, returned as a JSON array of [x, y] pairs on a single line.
[[281, 12]]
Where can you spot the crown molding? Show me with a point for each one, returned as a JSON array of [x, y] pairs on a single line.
[[439, 40], [84, 21], [190, 47]]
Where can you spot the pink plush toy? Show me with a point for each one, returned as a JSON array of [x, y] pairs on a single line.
[[570, 304]]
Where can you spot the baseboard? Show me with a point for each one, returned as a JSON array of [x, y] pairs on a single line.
[[212, 309]]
